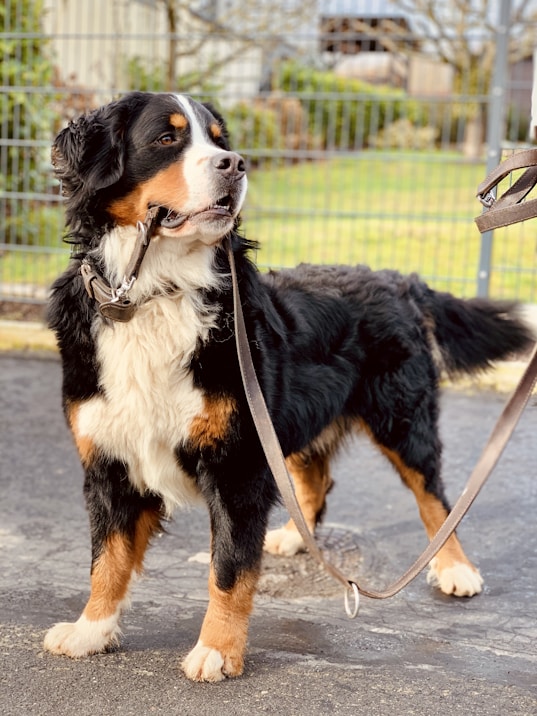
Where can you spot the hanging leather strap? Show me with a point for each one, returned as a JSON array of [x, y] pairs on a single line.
[[114, 303], [510, 208], [276, 461]]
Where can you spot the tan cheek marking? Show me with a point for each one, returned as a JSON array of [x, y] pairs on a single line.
[[179, 121], [167, 188], [213, 425], [84, 444], [148, 524], [225, 626], [110, 578]]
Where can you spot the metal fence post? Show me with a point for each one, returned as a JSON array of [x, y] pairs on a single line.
[[495, 131]]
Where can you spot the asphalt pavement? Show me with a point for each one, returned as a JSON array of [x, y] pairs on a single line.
[[417, 653]]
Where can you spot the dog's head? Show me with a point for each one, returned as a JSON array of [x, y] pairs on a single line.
[[147, 150]]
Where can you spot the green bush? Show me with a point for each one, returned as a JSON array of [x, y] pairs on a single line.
[[351, 114], [518, 125], [27, 114], [40, 225], [151, 76], [144, 77], [254, 131], [346, 112], [402, 134]]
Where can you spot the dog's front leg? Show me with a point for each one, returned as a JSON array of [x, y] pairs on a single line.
[[122, 523], [222, 641], [237, 532]]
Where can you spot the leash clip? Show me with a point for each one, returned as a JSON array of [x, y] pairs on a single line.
[[487, 199], [121, 292]]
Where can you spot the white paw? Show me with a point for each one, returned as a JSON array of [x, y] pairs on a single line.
[[204, 664], [283, 541], [83, 637], [461, 580]]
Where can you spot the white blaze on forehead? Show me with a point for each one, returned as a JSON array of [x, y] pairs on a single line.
[[204, 183], [199, 135]]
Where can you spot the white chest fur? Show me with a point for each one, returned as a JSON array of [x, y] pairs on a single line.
[[149, 400]]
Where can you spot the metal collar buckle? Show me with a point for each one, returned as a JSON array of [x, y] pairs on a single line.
[[119, 307], [121, 293], [487, 199]]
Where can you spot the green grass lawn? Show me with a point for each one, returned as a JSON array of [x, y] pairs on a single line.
[[32, 268], [407, 211], [411, 211]]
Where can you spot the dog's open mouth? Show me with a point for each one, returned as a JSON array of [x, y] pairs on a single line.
[[221, 209]]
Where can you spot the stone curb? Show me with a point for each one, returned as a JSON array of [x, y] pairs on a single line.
[[26, 336]]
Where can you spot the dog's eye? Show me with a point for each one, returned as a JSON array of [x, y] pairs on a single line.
[[166, 139]]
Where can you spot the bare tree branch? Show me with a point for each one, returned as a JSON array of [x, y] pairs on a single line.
[[463, 31], [239, 27]]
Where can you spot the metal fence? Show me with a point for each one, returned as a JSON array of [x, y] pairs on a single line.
[[363, 146]]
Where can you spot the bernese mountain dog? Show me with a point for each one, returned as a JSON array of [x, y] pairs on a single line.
[[156, 404]]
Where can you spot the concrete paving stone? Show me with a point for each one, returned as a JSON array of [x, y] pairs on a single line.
[[417, 653]]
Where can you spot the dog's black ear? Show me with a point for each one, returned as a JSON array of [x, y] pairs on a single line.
[[89, 153]]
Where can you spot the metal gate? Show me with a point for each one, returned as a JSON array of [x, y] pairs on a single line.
[[365, 138]]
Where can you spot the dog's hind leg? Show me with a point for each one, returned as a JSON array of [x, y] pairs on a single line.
[[312, 480], [450, 570], [122, 523]]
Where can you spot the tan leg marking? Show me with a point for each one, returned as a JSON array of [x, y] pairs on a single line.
[[110, 577], [147, 526], [222, 641], [84, 444], [112, 571], [312, 482], [451, 570], [212, 426], [98, 626]]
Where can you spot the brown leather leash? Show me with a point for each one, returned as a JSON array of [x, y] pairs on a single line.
[[510, 208], [269, 441]]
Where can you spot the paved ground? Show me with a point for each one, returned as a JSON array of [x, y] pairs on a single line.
[[419, 653]]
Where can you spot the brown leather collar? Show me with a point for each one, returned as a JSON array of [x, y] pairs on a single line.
[[114, 303]]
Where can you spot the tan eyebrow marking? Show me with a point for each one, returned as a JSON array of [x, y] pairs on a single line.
[[216, 130], [179, 121]]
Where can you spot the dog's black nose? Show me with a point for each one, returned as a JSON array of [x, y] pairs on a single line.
[[229, 164]]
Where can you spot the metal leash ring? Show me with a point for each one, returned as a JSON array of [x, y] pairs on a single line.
[[351, 613]]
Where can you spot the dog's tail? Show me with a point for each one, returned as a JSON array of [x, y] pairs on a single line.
[[471, 334]]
